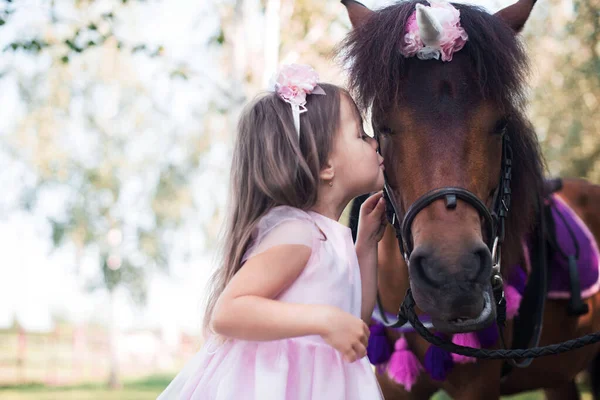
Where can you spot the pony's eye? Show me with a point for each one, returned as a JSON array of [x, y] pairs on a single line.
[[384, 130], [501, 125]]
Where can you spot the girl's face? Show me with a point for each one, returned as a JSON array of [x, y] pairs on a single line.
[[358, 168]]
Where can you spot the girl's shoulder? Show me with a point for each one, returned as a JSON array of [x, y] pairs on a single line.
[[285, 219], [283, 225], [280, 214]]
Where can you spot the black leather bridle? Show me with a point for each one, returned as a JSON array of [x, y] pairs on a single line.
[[494, 221], [532, 306]]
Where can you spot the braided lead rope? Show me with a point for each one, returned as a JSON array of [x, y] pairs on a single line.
[[407, 311]]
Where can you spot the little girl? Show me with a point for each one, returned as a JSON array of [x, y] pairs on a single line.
[[287, 313]]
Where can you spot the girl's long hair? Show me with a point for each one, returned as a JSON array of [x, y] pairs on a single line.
[[272, 166]]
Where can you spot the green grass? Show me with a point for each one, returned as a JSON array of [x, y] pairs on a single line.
[[144, 389], [148, 389]]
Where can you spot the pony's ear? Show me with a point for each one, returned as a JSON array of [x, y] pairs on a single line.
[[516, 14], [357, 12]]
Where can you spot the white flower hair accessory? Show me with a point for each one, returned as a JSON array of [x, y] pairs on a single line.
[[292, 83]]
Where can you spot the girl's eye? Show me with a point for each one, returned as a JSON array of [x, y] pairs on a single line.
[[364, 136]]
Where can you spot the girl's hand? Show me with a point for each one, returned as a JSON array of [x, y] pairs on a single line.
[[372, 220], [346, 333]]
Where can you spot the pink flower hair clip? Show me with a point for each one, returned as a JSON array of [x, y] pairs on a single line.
[[434, 32], [292, 83]]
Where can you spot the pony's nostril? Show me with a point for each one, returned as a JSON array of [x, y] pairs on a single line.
[[483, 264], [421, 265]]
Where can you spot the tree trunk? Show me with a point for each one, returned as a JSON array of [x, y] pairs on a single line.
[[113, 332]]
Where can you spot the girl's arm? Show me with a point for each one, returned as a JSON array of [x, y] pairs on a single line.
[[367, 260], [371, 226], [246, 309]]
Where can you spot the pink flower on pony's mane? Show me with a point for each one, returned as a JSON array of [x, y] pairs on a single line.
[[453, 37], [412, 38], [295, 81]]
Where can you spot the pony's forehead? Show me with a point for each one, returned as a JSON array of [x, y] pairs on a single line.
[[433, 91], [439, 119]]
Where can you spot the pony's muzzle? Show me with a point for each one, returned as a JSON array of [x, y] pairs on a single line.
[[453, 286], [434, 269]]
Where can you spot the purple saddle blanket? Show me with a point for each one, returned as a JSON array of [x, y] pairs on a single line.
[[587, 263]]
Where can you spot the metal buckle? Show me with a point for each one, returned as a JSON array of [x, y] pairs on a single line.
[[496, 255], [496, 280]]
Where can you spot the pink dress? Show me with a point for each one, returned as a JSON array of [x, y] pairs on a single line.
[[303, 368]]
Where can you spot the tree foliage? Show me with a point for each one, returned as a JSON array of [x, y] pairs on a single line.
[[564, 40], [101, 132]]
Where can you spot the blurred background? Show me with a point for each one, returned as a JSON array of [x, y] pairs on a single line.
[[117, 120]]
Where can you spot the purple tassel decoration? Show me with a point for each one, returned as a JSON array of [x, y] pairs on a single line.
[[438, 362], [404, 367], [468, 340], [379, 348], [488, 336], [513, 301]]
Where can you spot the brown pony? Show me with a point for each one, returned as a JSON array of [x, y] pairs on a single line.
[[441, 124]]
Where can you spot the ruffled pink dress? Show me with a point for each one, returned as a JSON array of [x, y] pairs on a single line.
[[303, 368]]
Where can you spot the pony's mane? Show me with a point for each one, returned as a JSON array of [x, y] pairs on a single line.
[[377, 71]]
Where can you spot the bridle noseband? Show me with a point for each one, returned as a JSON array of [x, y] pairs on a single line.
[[450, 195]]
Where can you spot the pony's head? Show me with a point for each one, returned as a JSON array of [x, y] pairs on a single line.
[[441, 123]]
